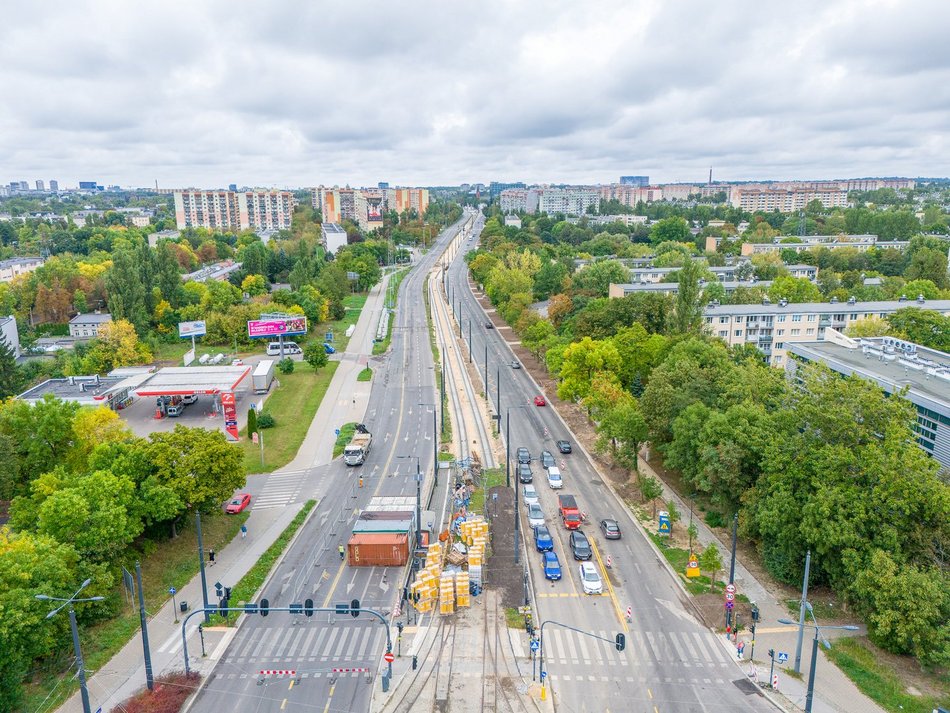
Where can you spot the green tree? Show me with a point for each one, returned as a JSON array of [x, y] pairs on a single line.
[[670, 230], [168, 274], [251, 421], [673, 512], [286, 365], [549, 280], [11, 379], [711, 561], [650, 490], [254, 285], [41, 434], [127, 291], [316, 356], [794, 289], [923, 326], [595, 279], [689, 300], [929, 264], [580, 362], [623, 429]]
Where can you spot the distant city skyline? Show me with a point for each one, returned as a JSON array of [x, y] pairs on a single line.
[[282, 95]]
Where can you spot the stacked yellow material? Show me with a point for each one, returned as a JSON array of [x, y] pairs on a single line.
[[423, 591], [473, 528], [462, 596], [447, 594], [476, 556], [434, 556]]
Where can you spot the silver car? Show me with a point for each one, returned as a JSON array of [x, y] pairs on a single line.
[[529, 494], [535, 515]]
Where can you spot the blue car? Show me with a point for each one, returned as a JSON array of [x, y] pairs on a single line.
[[328, 348], [552, 566], [543, 541]]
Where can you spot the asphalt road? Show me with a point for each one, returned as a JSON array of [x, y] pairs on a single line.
[[402, 428], [671, 662]]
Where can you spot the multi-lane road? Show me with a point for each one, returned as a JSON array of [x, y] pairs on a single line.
[[671, 661]]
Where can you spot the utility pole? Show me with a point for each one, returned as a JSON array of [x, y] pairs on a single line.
[[507, 448], [149, 680], [418, 505], [201, 568], [469, 341], [801, 615], [732, 569]]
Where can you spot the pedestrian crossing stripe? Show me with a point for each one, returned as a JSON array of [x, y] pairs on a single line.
[[569, 594]]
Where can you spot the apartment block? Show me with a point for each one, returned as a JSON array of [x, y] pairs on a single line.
[[16, 266], [617, 290], [230, 210], [920, 374], [334, 237], [630, 194], [366, 206], [518, 200], [861, 243], [572, 200], [786, 200], [773, 328], [725, 273]]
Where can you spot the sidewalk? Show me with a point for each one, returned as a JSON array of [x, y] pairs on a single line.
[[124, 674], [834, 692]]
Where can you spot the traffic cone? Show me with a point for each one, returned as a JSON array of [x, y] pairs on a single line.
[[608, 561]]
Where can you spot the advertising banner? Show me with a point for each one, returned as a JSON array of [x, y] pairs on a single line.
[[262, 328], [230, 415], [191, 329]]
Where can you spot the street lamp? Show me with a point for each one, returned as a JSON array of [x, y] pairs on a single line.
[[418, 501], [809, 696], [80, 667]]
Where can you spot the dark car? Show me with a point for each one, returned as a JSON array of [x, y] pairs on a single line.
[[564, 446], [543, 542], [524, 473], [489, 325], [610, 528], [580, 546], [547, 460], [516, 364], [524, 455]]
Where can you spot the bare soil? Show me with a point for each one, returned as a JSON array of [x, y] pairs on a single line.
[[501, 572]]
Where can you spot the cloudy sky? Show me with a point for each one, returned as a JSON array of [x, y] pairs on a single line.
[[206, 93]]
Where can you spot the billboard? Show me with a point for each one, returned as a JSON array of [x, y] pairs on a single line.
[[285, 326], [191, 329]]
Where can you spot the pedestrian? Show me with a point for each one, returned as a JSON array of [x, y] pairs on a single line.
[[243, 531], [342, 553], [211, 557]]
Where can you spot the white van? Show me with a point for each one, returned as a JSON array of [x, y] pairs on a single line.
[[273, 348]]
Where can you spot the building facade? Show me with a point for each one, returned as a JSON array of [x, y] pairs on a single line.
[[87, 325], [861, 243], [773, 328], [786, 200], [894, 365], [334, 237], [642, 181], [10, 335], [230, 210], [724, 273], [15, 266]]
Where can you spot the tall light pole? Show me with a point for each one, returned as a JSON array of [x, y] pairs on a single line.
[[80, 666], [732, 569], [810, 695], [801, 614], [508, 475]]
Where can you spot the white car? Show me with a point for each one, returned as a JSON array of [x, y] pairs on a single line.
[[590, 578], [529, 494], [554, 478], [535, 515]]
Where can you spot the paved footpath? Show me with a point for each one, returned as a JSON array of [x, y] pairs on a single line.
[[345, 400], [834, 692]]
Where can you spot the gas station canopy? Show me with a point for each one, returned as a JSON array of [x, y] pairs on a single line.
[[185, 380]]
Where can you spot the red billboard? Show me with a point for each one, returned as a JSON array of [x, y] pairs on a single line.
[[276, 327]]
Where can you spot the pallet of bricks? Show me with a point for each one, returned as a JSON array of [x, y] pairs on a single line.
[[424, 588], [474, 533]]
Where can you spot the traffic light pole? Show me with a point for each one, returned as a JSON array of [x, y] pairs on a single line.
[[619, 642]]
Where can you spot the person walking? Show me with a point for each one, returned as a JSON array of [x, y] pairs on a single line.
[[211, 557], [243, 532], [342, 552]]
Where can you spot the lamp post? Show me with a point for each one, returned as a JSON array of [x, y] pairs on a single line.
[[732, 569], [809, 696], [80, 666], [418, 501]]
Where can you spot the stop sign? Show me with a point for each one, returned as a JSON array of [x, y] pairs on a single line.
[[388, 657]]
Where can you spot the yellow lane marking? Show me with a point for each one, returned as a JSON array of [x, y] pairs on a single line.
[[292, 683], [613, 596], [775, 629], [283, 704], [650, 693], [326, 708]]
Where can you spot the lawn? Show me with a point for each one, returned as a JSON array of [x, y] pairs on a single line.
[[490, 478], [394, 282], [354, 306], [365, 375], [171, 563], [346, 433], [880, 683], [293, 405]]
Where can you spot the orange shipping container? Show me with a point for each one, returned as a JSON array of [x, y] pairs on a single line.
[[384, 549]]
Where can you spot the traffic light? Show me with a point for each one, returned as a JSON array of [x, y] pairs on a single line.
[[755, 613], [223, 606], [771, 653], [355, 608], [265, 607], [620, 642], [308, 607]]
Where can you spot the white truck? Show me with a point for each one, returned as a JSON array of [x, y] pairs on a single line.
[[263, 376], [357, 449]]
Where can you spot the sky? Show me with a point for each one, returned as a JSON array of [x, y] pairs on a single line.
[[284, 94]]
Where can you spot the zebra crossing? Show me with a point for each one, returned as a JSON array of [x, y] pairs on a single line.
[[310, 647], [280, 490], [695, 650]]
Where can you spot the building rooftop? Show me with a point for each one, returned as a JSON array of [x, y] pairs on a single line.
[[728, 285], [892, 363], [10, 262], [193, 380], [91, 318], [714, 309], [88, 390]]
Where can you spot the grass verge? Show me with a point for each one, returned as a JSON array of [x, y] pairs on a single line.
[[354, 306], [446, 436], [293, 405], [346, 433], [248, 585], [171, 563], [491, 477], [513, 619], [395, 282], [365, 375], [878, 682]]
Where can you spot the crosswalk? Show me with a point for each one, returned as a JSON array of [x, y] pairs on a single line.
[[311, 647], [281, 490]]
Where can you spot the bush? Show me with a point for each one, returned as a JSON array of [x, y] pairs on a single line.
[[265, 420], [714, 518], [286, 365], [251, 421], [171, 692]]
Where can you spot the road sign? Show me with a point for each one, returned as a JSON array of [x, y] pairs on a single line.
[[731, 588], [544, 675], [535, 644], [782, 657], [730, 597], [172, 591], [388, 657], [730, 605], [337, 431], [692, 567]]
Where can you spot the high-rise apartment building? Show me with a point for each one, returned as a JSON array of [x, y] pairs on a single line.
[[641, 181], [40, 186], [786, 200], [230, 210], [54, 185]]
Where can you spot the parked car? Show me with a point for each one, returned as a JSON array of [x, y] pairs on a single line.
[[535, 515], [590, 578], [551, 565], [516, 364], [610, 528], [524, 455], [555, 482], [564, 446], [580, 545], [542, 539], [328, 348], [529, 495], [539, 401], [547, 459], [524, 473], [238, 503]]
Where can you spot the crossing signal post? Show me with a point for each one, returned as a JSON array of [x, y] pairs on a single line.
[[620, 642]]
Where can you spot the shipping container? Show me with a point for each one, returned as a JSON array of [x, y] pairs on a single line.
[[263, 376], [378, 550]]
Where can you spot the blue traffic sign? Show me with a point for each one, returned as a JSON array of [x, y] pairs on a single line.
[[544, 675], [782, 657], [535, 644], [337, 431], [172, 590]]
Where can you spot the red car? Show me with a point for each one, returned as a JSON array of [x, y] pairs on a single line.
[[539, 401], [238, 503]]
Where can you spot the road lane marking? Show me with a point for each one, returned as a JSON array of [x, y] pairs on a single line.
[[283, 704], [613, 596]]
